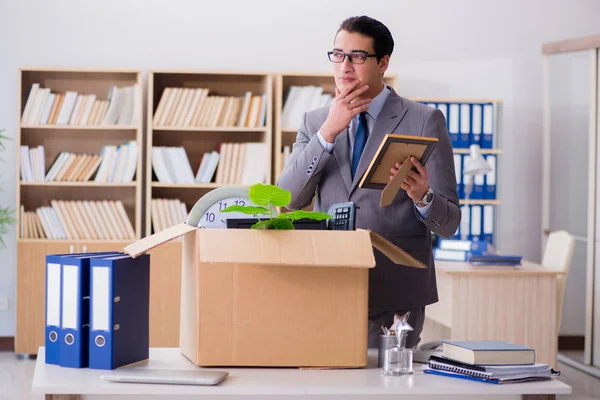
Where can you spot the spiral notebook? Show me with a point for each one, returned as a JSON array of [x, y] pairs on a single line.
[[496, 374]]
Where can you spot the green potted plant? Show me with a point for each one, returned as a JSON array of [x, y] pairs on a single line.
[[267, 198], [6, 214]]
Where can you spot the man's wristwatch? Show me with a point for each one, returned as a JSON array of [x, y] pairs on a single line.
[[426, 199]]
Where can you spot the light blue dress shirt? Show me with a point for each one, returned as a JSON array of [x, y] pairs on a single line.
[[374, 108]]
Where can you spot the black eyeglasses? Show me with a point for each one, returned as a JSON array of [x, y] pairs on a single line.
[[357, 57]]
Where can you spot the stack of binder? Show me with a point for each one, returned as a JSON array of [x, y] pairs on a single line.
[[97, 309]]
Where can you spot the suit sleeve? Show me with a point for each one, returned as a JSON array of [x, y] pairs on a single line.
[[444, 215], [302, 173]]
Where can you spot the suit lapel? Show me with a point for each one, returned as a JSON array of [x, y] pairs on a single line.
[[389, 118], [341, 150]]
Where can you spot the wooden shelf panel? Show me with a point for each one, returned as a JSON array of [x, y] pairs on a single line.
[[482, 202], [82, 127], [74, 241], [483, 151], [80, 184], [201, 129], [188, 186]]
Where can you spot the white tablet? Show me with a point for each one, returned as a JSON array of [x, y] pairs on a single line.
[[166, 376]]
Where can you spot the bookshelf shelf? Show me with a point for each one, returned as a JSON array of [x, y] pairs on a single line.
[[216, 129], [187, 186], [80, 184], [483, 151], [97, 108], [284, 135], [81, 127], [482, 202], [197, 113]]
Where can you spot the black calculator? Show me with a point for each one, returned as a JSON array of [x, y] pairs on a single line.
[[343, 216]]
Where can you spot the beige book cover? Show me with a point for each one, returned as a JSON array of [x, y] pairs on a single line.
[[79, 158], [232, 163], [245, 109], [223, 150], [125, 218], [122, 229], [169, 106], [82, 108], [154, 216], [40, 229], [94, 112], [235, 114], [78, 165], [65, 168], [98, 227], [75, 221], [64, 222], [205, 112], [189, 114], [201, 104], [226, 115], [174, 106], [112, 220], [219, 109], [103, 220], [162, 105], [241, 163], [186, 104], [78, 219], [86, 220], [55, 108], [90, 169]]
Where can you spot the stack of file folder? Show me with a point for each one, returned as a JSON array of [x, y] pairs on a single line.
[[97, 309]]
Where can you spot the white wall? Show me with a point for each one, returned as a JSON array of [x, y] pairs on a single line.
[[458, 48]]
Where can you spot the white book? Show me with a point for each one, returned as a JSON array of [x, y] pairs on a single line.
[[42, 164], [29, 105], [202, 168], [211, 167], [126, 106], [66, 108], [47, 108], [287, 106], [185, 169], [131, 164], [26, 171], [38, 106], [76, 109], [159, 166], [87, 111], [245, 108], [114, 107]]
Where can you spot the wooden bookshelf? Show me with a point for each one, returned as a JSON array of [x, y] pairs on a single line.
[[285, 135], [75, 138], [186, 123]]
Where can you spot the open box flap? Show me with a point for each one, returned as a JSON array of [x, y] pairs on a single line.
[[393, 252], [143, 245], [287, 247]]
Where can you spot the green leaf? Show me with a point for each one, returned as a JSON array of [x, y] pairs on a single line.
[[316, 215], [265, 195], [246, 210], [279, 223]]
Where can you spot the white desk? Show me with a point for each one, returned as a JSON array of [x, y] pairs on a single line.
[[254, 383]]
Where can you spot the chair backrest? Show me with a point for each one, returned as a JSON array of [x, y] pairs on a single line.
[[558, 255]]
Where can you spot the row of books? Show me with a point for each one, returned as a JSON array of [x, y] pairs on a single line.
[[165, 213], [483, 186], [489, 361], [234, 163], [115, 164], [75, 220], [476, 223], [189, 107], [300, 99], [44, 107], [468, 123]]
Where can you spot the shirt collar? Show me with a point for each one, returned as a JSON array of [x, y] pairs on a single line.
[[376, 105]]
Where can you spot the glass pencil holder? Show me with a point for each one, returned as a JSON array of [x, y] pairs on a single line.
[[397, 361]]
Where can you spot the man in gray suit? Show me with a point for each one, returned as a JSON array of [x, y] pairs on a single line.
[[333, 149]]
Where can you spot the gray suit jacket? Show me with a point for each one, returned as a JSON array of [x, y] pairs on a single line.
[[312, 171]]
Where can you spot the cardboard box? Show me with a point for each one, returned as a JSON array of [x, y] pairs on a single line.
[[295, 298]]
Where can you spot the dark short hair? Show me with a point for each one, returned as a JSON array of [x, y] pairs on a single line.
[[383, 43]]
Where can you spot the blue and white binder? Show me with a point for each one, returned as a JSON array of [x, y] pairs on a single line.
[[476, 124], [458, 164], [465, 222], [465, 125], [488, 223], [487, 139], [119, 307], [75, 308], [490, 179], [454, 125], [53, 309], [476, 223]]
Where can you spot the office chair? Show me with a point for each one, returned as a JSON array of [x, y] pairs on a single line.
[[558, 255]]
